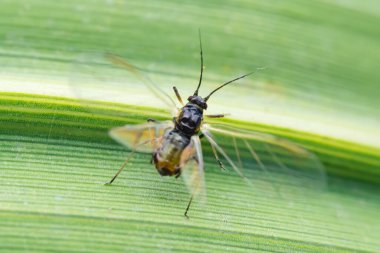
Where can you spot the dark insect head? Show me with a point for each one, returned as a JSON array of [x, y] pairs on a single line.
[[199, 101]]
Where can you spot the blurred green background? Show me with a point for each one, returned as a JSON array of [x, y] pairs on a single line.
[[321, 56], [321, 78]]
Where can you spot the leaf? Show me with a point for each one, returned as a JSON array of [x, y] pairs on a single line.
[[54, 163], [320, 89]]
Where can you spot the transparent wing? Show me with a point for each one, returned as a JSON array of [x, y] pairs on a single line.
[[110, 78], [263, 157], [143, 138], [192, 168], [154, 88]]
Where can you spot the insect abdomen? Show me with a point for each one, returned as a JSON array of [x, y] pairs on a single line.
[[167, 157]]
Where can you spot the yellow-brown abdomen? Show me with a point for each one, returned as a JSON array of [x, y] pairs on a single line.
[[167, 158]]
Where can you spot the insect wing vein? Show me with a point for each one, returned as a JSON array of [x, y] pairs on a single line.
[[257, 156], [143, 138], [192, 170]]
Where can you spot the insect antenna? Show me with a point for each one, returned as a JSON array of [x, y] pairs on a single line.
[[231, 81], [200, 78]]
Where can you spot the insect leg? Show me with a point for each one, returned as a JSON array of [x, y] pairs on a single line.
[[188, 206], [216, 116], [237, 152], [127, 160], [221, 151], [217, 157], [178, 95], [121, 168], [153, 120], [215, 153]]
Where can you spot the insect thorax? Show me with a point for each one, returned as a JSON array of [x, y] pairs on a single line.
[[189, 119]]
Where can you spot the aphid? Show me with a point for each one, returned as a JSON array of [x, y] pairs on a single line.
[[175, 145]]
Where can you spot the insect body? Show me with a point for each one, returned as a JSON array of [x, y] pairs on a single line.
[[167, 158], [176, 147]]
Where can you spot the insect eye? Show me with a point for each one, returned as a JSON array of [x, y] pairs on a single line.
[[190, 98]]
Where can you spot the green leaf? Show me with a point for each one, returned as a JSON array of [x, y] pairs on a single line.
[[320, 89], [55, 159]]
